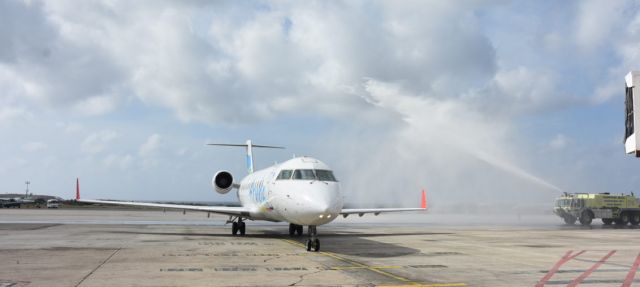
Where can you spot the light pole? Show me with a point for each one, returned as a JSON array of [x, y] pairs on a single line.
[[26, 195]]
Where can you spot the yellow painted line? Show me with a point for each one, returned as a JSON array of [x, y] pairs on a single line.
[[376, 269]]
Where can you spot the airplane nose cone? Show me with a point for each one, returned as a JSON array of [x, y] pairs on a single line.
[[316, 208], [318, 213]]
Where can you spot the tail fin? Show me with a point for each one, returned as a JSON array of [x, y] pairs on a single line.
[[249, 147], [423, 202], [77, 188]]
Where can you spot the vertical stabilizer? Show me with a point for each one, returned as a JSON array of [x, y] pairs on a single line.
[[77, 188], [249, 157], [423, 202]]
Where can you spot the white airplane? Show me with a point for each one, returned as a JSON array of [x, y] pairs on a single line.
[[301, 191]]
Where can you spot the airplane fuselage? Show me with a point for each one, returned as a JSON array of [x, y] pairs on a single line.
[[301, 191]]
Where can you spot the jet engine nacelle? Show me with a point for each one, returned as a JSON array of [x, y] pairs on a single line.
[[222, 182]]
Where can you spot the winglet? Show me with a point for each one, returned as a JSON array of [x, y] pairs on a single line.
[[77, 188], [423, 202]]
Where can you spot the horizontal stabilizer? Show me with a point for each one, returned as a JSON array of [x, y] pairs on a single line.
[[249, 146], [245, 145]]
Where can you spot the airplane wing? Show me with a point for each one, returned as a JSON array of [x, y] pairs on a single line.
[[226, 210], [376, 211]]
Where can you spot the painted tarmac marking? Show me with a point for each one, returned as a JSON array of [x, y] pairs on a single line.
[[358, 265], [225, 254], [609, 282], [235, 269], [629, 279], [182, 270], [287, 269], [567, 256], [98, 267], [632, 273], [13, 283], [237, 243], [590, 270], [238, 269], [367, 267]]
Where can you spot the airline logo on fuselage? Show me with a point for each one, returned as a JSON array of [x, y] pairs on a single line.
[[257, 191]]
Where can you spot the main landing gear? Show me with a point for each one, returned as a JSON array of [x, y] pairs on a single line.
[[313, 242], [295, 229], [238, 226]]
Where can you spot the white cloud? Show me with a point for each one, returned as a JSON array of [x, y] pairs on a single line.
[[122, 162], [560, 141], [150, 146], [98, 141], [522, 91], [71, 127], [238, 66], [597, 21], [9, 114], [96, 106], [34, 146]]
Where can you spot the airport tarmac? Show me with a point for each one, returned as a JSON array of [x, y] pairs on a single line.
[[155, 248]]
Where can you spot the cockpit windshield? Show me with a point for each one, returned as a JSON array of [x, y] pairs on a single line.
[[325, 175], [306, 174], [284, 174]]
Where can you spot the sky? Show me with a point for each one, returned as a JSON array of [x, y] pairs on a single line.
[[481, 103]]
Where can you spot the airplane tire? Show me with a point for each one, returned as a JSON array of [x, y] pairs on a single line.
[[234, 228], [309, 243], [242, 228], [607, 221], [316, 246], [299, 230], [292, 229]]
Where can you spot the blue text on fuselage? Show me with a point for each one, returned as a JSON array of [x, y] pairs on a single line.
[[257, 191]]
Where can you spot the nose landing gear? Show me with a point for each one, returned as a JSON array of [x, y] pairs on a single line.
[[313, 242], [295, 229], [238, 226]]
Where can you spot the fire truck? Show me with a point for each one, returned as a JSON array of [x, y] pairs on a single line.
[[584, 207]]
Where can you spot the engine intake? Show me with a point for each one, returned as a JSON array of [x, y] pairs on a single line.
[[222, 182]]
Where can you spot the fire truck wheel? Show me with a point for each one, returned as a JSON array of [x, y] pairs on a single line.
[[623, 219], [586, 218], [635, 219]]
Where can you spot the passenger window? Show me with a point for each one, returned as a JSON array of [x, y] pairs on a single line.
[[284, 174], [325, 175]]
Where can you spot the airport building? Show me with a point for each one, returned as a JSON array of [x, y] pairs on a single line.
[[631, 136]]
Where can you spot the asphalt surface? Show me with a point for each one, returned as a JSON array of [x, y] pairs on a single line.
[[156, 248]]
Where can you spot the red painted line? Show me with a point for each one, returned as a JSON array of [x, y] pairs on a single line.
[[586, 274], [567, 256], [632, 273]]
